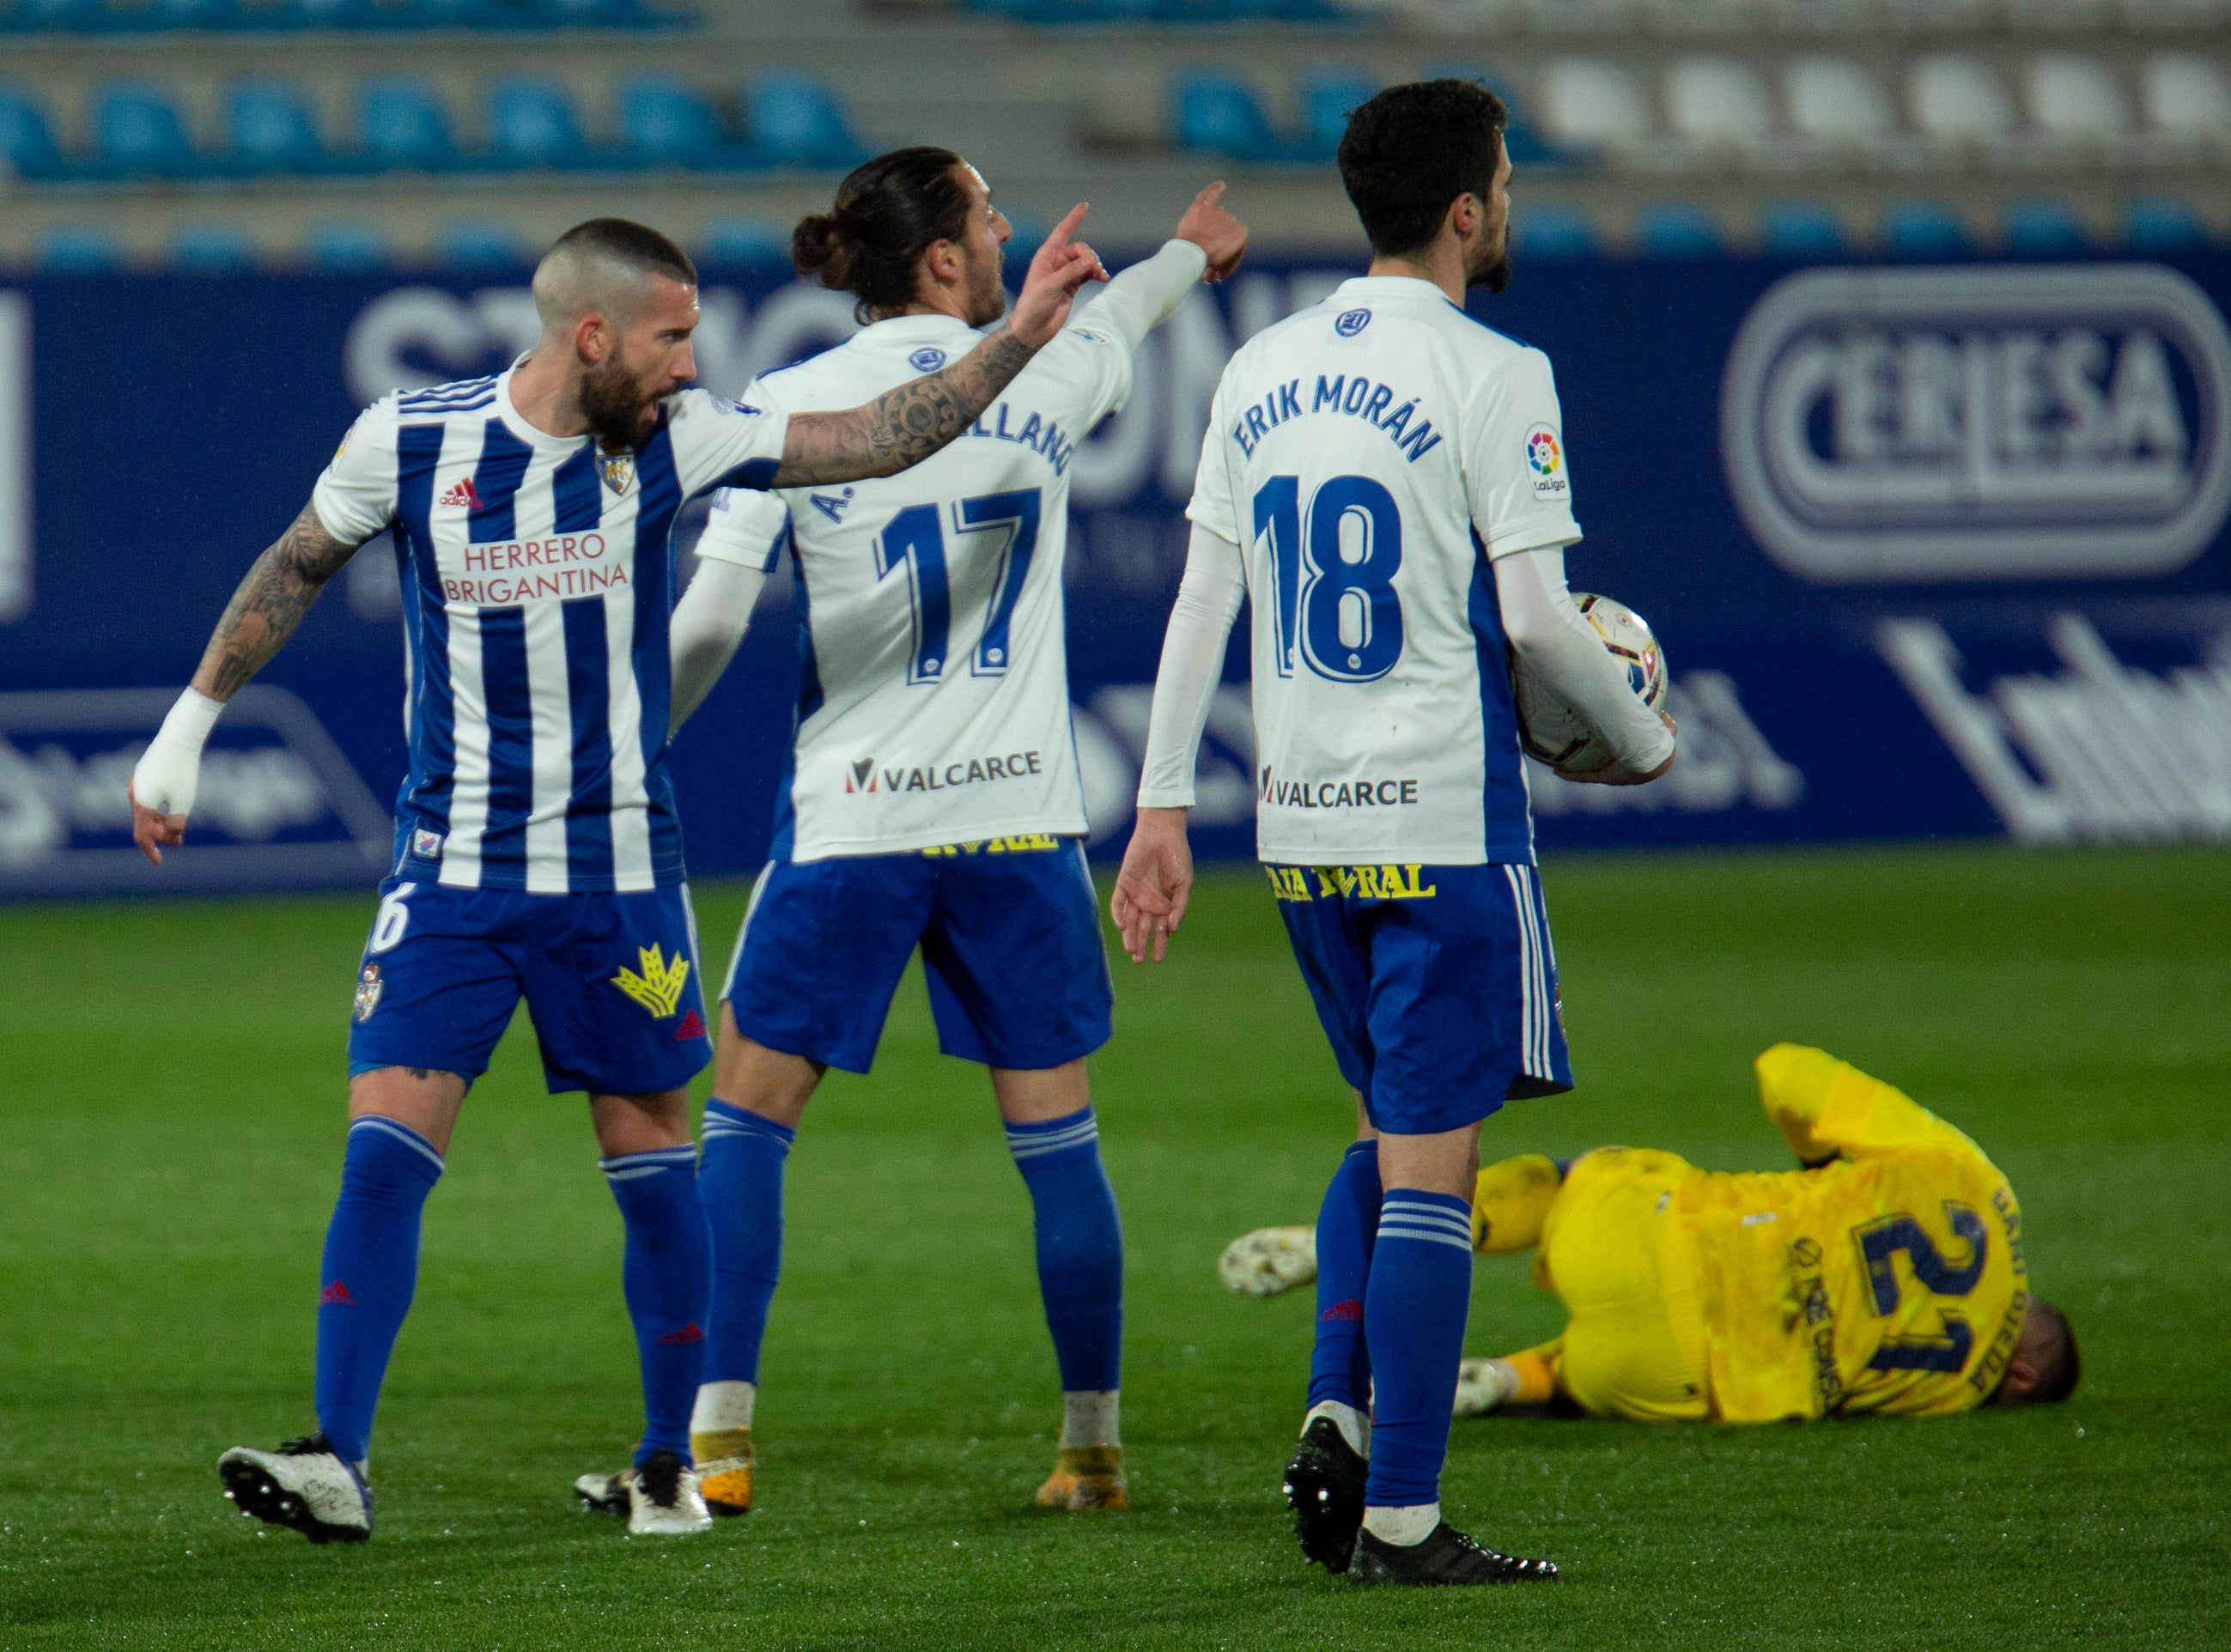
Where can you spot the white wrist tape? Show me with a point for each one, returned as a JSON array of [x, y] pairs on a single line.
[[170, 769]]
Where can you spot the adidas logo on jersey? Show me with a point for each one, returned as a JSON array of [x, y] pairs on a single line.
[[462, 496]]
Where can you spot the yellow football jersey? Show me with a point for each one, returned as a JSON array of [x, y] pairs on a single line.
[[1889, 1277]]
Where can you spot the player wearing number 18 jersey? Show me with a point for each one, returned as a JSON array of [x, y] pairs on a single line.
[[1385, 479]]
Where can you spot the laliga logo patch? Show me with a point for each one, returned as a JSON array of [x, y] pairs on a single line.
[[1547, 461], [618, 469], [1352, 322], [425, 845], [369, 986], [927, 359]]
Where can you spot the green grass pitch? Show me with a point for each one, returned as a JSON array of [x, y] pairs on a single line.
[[173, 1076]]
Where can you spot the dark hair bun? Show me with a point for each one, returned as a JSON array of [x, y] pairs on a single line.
[[821, 245], [887, 211]]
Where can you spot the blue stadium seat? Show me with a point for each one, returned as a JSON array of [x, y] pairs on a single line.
[[212, 249], [531, 124], [1800, 230], [346, 249], [1676, 230], [2043, 228], [269, 128], [2158, 223], [76, 249], [404, 125], [78, 16], [730, 243], [1215, 112], [797, 121], [1925, 230], [27, 142], [138, 132], [328, 14], [187, 14], [1329, 91], [482, 243], [1552, 232], [665, 121], [1525, 146]]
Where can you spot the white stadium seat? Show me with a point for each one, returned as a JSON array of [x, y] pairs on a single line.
[[2185, 96], [2075, 97], [1716, 101], [1956, 98], [1835, 101], [1586, 100]]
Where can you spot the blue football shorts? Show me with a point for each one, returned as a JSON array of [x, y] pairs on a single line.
[[1436, 984], [610, 981], [1010, 936]]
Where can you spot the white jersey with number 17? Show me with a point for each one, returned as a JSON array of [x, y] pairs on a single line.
[[1371, 455]]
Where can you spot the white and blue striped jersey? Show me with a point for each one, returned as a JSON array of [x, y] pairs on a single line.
[[538, 581], [933, 702], [1372, 455]]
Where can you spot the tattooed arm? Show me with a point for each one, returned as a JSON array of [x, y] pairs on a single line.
[[264, 611], [905, 426]]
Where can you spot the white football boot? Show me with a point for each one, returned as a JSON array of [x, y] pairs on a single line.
[[660, 1498], [305, 1485], [1269, 1261]]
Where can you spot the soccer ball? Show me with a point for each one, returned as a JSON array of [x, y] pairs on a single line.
[[1553, 732]]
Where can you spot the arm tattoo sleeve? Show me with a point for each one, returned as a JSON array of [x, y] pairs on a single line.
[[902, 427], [269, 603]]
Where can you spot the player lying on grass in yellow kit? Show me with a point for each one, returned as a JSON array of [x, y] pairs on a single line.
[[1888, 1275]]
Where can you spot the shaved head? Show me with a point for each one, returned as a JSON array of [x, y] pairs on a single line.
[[606, 267]]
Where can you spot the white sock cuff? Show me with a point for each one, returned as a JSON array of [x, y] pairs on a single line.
[[723, 1407], [1354, 1427], [1092, 1416], [1403, 1527]]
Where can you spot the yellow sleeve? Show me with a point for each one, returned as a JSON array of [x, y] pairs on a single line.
[[1825, 1108]]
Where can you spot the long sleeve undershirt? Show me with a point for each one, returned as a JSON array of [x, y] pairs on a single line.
[[1538, 617]]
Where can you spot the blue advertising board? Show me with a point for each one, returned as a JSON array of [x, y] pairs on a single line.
[[1933, 552]]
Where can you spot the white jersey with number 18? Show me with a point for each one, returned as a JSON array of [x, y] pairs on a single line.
[[933, 699], [1371, 455]]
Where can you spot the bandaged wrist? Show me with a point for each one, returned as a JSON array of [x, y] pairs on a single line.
[[186, 729]]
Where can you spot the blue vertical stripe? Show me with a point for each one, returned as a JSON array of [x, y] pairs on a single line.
[[580, 496], [588, 679], [658, 498], [1506, 812], [503, 466], [809, 702], [427, 787], [511, 746]]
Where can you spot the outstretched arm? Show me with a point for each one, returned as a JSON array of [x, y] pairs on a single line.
[[710, 623], [263, 613], [904, 426]]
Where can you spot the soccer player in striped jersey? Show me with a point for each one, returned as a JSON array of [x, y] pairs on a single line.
[[932, 798], [1395, 474], [537, 853]]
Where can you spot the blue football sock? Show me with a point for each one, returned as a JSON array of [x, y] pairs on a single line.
[[741, 1180], [667, 1277], [1348, 1221], [371, 1268], [1414, 1315], [1080, 1245]]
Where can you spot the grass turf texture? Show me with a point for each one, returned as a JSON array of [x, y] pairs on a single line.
[[173, 1077]]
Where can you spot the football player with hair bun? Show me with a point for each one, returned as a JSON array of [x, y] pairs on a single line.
[[932, 797]]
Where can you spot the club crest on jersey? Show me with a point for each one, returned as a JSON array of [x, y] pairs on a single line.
[[618, 469], [863, 776], [1547, 461], [369, 986], [1352, 322], [927, 359], [462, 496], [658, 989]]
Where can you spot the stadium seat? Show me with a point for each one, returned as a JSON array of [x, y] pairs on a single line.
[[1800, 230], [1955, 98], [1522, 137], [2075, 98], [2039, 228], [212, 249], [192, 13], [138, 133], [2185, 96], [481, 243], [1553, 232], [665, 121], [269, 129], [2159, 224], [76, 249], [1924, 230], [1676, 230], [346, 249], [1213, 113], [1591, 102], [1328, 92], [27, 142], [1716, 101], [531, 124], [730, 243], [34, 16], [1834, 101], [403, 126], [797, 120]]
